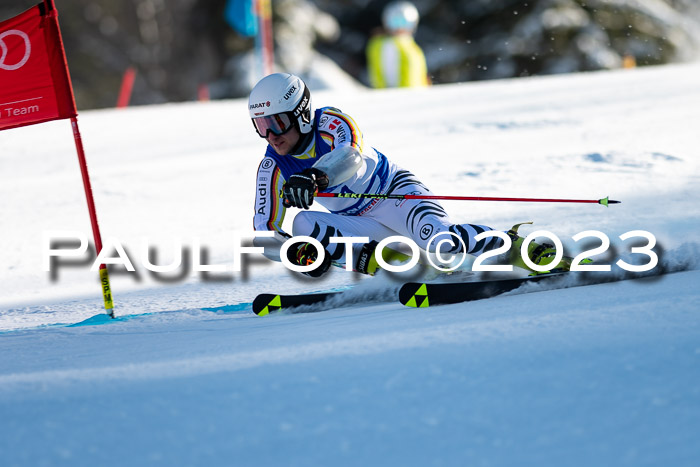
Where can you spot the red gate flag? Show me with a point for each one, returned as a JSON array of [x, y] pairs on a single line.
[[35, 87], [35, 84]]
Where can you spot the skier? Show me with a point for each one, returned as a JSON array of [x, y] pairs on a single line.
[[323, 150], [394, 59]]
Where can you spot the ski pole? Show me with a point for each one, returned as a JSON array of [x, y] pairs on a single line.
[[604, 201]]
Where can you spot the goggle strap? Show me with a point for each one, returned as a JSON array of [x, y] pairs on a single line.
[[303, 103]]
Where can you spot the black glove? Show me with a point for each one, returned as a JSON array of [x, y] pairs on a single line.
[[304, 254], [299, 191]]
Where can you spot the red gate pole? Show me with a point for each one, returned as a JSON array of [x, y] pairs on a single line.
[[104, 275]]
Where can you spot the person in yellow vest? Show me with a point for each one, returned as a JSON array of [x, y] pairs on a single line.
[[393, 58]]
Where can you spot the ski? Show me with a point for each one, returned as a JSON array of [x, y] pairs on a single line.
[[413, 294], [425, 294], [422, 294], [266, 303]]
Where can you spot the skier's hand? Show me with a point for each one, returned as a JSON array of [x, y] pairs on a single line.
[[301, 188]]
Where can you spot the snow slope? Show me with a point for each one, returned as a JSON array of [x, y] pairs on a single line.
[[597, 375]]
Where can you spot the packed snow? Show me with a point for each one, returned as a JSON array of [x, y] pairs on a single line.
[[605, 374]]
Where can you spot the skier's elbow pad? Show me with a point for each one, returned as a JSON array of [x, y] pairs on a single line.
[[340, 164]]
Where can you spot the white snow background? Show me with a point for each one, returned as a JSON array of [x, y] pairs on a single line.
[[596, 375]]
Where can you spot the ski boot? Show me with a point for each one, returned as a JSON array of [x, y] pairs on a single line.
[[540, 254], [367, 260]]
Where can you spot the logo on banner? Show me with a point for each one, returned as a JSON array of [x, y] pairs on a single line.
[[5, 50]]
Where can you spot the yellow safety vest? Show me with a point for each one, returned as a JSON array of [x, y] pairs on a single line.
[[396, 61]]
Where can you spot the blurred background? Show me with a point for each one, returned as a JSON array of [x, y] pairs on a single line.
[[185, 50]]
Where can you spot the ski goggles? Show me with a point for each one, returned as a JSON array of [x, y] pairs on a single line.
[[277, 124]]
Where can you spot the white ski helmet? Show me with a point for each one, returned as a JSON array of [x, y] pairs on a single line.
[[400, 16], [278, 102]]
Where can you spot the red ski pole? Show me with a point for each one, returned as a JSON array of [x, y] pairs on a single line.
[[604, 201]]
